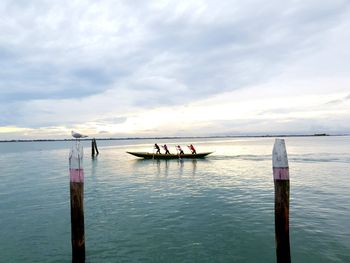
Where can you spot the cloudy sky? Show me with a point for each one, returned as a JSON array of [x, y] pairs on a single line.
[[173, 68]]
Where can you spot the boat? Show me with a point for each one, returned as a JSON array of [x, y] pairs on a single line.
[[147, 155]]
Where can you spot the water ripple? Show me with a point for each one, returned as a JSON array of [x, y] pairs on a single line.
[[216, 210]]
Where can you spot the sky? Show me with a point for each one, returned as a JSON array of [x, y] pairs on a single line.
[[173, 68]]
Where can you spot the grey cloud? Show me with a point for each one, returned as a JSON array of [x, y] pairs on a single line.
[[57, 50], [280, 111], [114, 120], [333, 102], [44, 81], [338, 101], [92, 76], [276, 126], [227, 55], [6, 55]]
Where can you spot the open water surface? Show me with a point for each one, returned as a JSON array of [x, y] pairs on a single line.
[[219, 209]]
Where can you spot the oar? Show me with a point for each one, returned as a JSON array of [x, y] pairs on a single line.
[[189, 148]]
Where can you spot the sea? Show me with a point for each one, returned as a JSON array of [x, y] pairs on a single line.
[[218, 209]]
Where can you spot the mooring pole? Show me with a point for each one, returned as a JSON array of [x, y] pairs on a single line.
[[281, 182], [93, 147], [77, 202], [97, 152]]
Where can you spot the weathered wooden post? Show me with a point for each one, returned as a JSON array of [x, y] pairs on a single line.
[[77, 202], [281, 181], [92, 148], [95, 144]]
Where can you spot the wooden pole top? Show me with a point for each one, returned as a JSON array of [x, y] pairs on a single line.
[[76, 156], [279, 154], [280, 161], [76, 164]]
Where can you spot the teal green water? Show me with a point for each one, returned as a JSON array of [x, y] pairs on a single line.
[[215, 210]]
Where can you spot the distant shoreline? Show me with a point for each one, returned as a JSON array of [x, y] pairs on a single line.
[[177, 137]]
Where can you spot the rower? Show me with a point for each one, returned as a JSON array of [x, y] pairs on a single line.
[[193, 150], [178, 148], [157, 148], [165, 147]]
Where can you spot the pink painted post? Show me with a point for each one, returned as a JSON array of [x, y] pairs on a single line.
[[281, 181], [76, 171]]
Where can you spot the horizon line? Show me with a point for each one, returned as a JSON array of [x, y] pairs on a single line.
[[180, 137]]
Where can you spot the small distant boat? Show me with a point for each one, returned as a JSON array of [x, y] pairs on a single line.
[[147, 155]]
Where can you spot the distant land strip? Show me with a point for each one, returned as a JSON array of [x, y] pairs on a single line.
[[177, 137]]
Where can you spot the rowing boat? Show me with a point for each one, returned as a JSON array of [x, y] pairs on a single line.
[[147, 155]]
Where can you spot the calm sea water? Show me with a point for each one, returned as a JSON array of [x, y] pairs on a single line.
[[215, 210]]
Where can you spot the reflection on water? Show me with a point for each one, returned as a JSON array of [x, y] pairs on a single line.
[[164, 168], [194, 163], [94, 166]]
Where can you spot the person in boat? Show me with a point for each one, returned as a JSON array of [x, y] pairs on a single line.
[[157, 148], [193, 150], [178, 148], [165, 147]]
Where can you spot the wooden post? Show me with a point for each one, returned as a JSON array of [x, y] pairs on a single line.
[[281, 182], [77, 202], [93, 147]]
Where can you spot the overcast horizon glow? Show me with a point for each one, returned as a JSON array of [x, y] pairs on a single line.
[[173, 68]]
